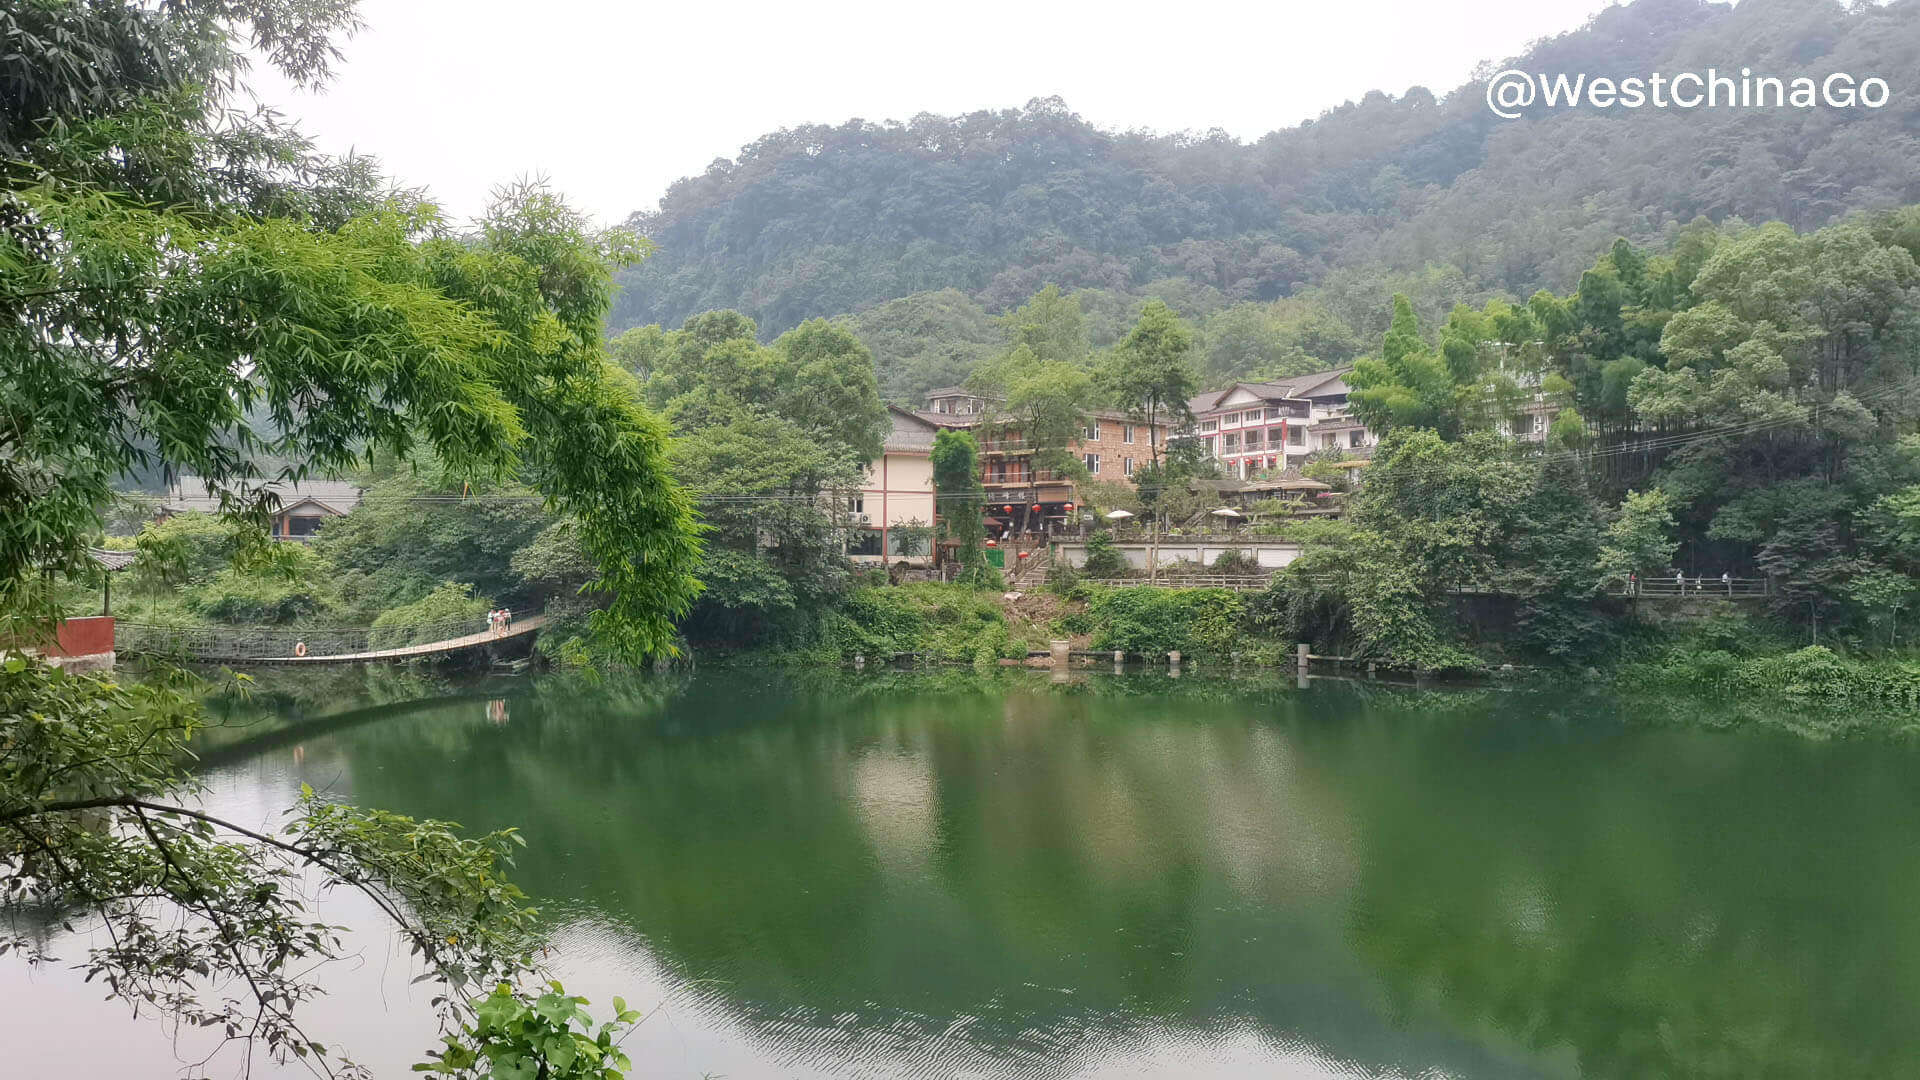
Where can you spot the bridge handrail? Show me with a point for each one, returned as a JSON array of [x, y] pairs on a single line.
[[246, 642], [1697, 587]]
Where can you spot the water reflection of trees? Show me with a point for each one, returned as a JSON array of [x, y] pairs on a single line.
[[1408, 882], [1675, 904], [1053, 866]]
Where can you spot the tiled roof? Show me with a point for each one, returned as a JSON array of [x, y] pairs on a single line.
[[950, 420], [112, 561], [190, 493], [1292, 387], [910, 432]]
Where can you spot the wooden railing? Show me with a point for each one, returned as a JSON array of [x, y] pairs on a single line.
[[1236, 582], [1702, 587]]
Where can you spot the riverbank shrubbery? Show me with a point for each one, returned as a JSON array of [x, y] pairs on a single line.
[[1815, 672], [938, 623], [1152, 622], [452, 604]]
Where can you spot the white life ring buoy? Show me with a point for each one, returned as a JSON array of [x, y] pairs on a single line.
[[300, 648]]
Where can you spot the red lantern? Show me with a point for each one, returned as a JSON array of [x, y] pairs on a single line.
[[1008, 508], [991, 542], [1036, 508], [1069, 507], [1023, 555]]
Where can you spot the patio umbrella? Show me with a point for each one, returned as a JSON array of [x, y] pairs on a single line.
[[1226, 512], [1118, 515]]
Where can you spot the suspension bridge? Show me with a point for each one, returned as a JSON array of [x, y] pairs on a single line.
[[330, 645]]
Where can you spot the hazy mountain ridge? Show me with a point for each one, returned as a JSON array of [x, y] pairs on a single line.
[[823, 219]]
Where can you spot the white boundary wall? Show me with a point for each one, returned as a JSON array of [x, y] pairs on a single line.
[[1270, 554]]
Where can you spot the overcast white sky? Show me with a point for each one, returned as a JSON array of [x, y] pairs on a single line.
[[614, 101]]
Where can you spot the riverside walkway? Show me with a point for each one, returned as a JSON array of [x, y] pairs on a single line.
[[330, 646]]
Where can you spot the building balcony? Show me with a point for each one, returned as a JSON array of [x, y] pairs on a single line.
[[1024, 479]]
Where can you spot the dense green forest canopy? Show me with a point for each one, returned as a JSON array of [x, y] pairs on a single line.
[[1743, 406], [930, 226]]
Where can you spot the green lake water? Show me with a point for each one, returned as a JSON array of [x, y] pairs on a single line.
[[947, 875]]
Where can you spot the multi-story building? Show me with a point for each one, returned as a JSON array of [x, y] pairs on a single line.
[[1532, 420], [896, 499], [1265, 428], [1111, 446]]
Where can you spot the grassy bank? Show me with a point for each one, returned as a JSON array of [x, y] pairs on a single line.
[[1814, 673], [954, 624], [1725, 658]]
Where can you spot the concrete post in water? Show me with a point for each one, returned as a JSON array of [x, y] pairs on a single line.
[[1119, 657], [859, 660], [1058, 652], [1173, 659], [1300, 653]]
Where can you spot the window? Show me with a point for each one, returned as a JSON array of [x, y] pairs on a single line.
[[1539, 423], [857, 504], [864, 542], [1356, 438], [1209, 425], [908, 543], [1230, 444], [1126, 433], [1230, 418], [1126, 465], [1091, 433], [1296, 436], [1093, 463]]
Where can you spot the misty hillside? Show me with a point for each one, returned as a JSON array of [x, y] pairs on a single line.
[[828, 219]]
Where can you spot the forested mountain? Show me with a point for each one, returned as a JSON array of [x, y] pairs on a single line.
[[1435, 192]]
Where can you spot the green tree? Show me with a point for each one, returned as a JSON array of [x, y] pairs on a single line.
[[1050, 326], [776, 546], [1103, 559], [1639, 539], [926, 340], [1292, 336], [1409, 384], [1166, 487], [956, 485], [172, 274], [1150, 374], [1047, 403], [829, 387]]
